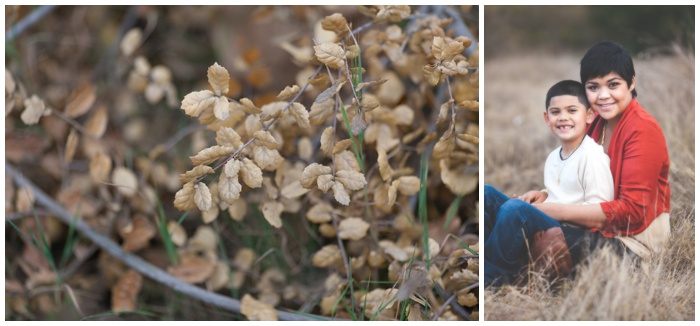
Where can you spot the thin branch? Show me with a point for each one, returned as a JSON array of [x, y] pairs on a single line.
[[28, 21], [73, 123], [135, 262]]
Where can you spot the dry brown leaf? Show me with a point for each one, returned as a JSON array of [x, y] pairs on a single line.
[[335, 23], [325, 182], [288, 92], [300, 114], [231, 168], [351, 179], [218, 79], [177, 232], [272, 211], [385, 169], [293, 190], [211, 154], [327, 139], [461, 279], [100, 167], [445, 50], [192, 269], [265, 138], [204, 238], [184, 198], [311, 173], [320, 213], [211, 214], [320, 112], [443, 147], [251, 173], [34, 109], [229, 188], [131, 41], [340, 194], [341, 145], [249, 107], [329, 92], [301, 54], [458, 182], [256, 310], [393, 14], [228, 137], [327, 256], [330, 54], [364, 85], [125, 181], [352, 228], [267, 159], [327, 230], [25, 199], [467, 299], [369, 104], [469, 105], [154, 93], [196, 102], [80, 101], [97, 124], [219, 278], [137, 234], [245, 257], [393, 250], [125, 292], [408, 185], [403, 115], [71, 145], [195, 173], [238, 210], [221, 108], [346, 161], [305, 148], [202, 196]]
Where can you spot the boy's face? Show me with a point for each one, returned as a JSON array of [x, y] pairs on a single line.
[[609, 95], [568, 119]]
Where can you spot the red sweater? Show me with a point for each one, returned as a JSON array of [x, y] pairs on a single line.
[[639, 164]]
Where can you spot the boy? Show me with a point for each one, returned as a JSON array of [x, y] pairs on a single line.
[[575, 173]]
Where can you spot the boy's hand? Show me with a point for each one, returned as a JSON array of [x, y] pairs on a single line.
[[534, 197]]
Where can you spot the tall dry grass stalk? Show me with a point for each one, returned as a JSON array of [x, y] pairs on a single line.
[[516, 144]]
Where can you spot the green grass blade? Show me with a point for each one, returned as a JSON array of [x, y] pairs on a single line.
[[452, 211]]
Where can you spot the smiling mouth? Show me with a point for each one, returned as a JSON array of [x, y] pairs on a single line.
[[565, 128], [607, 106]]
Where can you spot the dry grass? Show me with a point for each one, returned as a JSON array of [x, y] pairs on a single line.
[[517, 142]]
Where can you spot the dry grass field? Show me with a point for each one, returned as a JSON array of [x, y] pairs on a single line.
[[516, 145]]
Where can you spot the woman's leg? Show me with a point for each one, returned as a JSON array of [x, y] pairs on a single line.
[[506, 250], [493, 200]]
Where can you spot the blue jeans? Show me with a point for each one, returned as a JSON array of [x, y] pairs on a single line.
[[509, 223]]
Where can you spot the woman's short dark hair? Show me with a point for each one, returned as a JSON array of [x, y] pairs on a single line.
[[607, 57], [567, 87]]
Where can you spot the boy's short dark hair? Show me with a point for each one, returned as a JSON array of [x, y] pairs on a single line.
[[567, 87], [607, 57]]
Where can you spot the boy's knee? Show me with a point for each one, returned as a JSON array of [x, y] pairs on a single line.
[[514, 206]]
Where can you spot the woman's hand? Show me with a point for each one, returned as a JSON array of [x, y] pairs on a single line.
[[534, 197], [590, 216]]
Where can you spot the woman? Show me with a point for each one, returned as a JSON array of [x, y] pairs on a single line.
[[637, 217]]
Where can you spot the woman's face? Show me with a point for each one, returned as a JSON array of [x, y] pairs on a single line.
[[609, 95]]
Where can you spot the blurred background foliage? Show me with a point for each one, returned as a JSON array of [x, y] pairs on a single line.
[[557, 29]]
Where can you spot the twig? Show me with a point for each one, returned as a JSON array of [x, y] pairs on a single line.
[[28, 21], [135, 262]]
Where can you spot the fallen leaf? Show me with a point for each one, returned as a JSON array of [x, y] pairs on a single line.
[[327, 256], [218, 79], [71, 145], [131, 41], [330, 54], [34, 109], [202, 196], [80, 101], [272, 211], [352, 228], [125, 292], [97, 124], [125, 181], [255, 310], [192, 269]]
